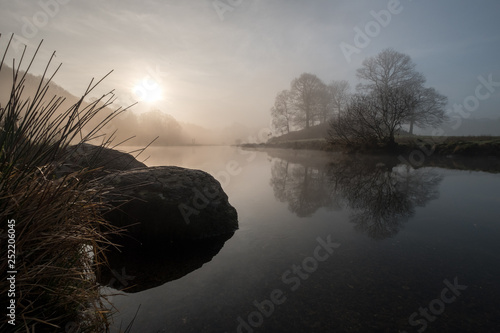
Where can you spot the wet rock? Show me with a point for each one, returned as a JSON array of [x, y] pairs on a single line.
[[100, 159], [168, 204]]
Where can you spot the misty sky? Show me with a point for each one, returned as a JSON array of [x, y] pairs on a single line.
[[215, 68]]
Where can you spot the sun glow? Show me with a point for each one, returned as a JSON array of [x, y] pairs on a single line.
[[147, 90]]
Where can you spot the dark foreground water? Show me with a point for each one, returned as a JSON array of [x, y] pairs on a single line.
[[328, 244]]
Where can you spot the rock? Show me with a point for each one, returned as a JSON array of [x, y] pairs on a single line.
[[105, 160], [168, 204]]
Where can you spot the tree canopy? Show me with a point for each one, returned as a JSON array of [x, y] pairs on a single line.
[[308, 102], [391, 95]]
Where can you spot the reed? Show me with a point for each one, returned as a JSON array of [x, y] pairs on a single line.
[[60, 233]]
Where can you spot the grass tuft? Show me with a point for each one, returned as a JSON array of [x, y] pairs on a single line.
[[60, 232]]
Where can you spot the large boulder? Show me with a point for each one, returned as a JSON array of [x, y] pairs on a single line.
[[168, 205], [101, 160]]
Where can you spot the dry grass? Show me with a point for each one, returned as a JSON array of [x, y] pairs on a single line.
[[60, 234]]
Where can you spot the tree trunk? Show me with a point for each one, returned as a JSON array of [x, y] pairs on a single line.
[[411, 127], [391, 142]]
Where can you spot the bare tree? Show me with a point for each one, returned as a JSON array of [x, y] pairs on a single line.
[[388, 69], [395, 106], [324, 104], [391, 94], [391, 70], [430, 109], [282, 112], [339, 95], [358, 125], [390, 76], [373, 119], [305, 91]]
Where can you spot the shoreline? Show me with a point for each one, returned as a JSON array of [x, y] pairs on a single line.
[[480, 146], [444, 155]]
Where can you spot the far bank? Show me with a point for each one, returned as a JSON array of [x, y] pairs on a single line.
[[471, 146]]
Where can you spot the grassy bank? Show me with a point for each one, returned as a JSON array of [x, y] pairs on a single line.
[[438, 146], [454, 146], [311, 144]]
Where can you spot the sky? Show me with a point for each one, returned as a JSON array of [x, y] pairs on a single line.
[[216, 63]]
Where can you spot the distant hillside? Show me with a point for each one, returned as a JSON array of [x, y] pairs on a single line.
[[31, 83], [311, 133], [143, 126]]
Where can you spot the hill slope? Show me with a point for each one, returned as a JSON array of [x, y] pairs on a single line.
[[318, 132]]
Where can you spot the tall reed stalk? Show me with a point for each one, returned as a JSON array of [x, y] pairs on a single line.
[[60, 232]]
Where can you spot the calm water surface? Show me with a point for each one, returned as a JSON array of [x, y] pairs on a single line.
[[329, 243]]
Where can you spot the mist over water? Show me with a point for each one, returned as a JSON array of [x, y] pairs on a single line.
[[327, 242], [397, 235]]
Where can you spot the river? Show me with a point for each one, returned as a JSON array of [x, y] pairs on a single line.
[[332, 243]]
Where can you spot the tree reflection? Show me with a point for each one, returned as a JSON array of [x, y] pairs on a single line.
[[302, 186], [381, 193]]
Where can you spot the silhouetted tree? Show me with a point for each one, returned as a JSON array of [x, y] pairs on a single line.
[[282, 112], [339, 95], [388, 69], [391, 94], [370, 119], [358, 125], [324, 104], [306, 91], [430, 109]]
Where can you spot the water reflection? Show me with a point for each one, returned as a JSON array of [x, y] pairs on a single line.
[[381, 193], [303, 187], [365, 286], [136, 269]]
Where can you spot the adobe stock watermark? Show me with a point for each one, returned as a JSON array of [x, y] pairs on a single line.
[[149, 88], [150, 84], [199, 201], [436, 307], [292, 278], [202, 198], [233, 167], [31, 26], [484, 90], [221, 6], [363, 37], [471, 103], [261, 137]]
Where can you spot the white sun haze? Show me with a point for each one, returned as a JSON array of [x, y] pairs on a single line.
[[147, 90]]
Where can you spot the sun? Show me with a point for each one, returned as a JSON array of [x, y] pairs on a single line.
[[147, 90]]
